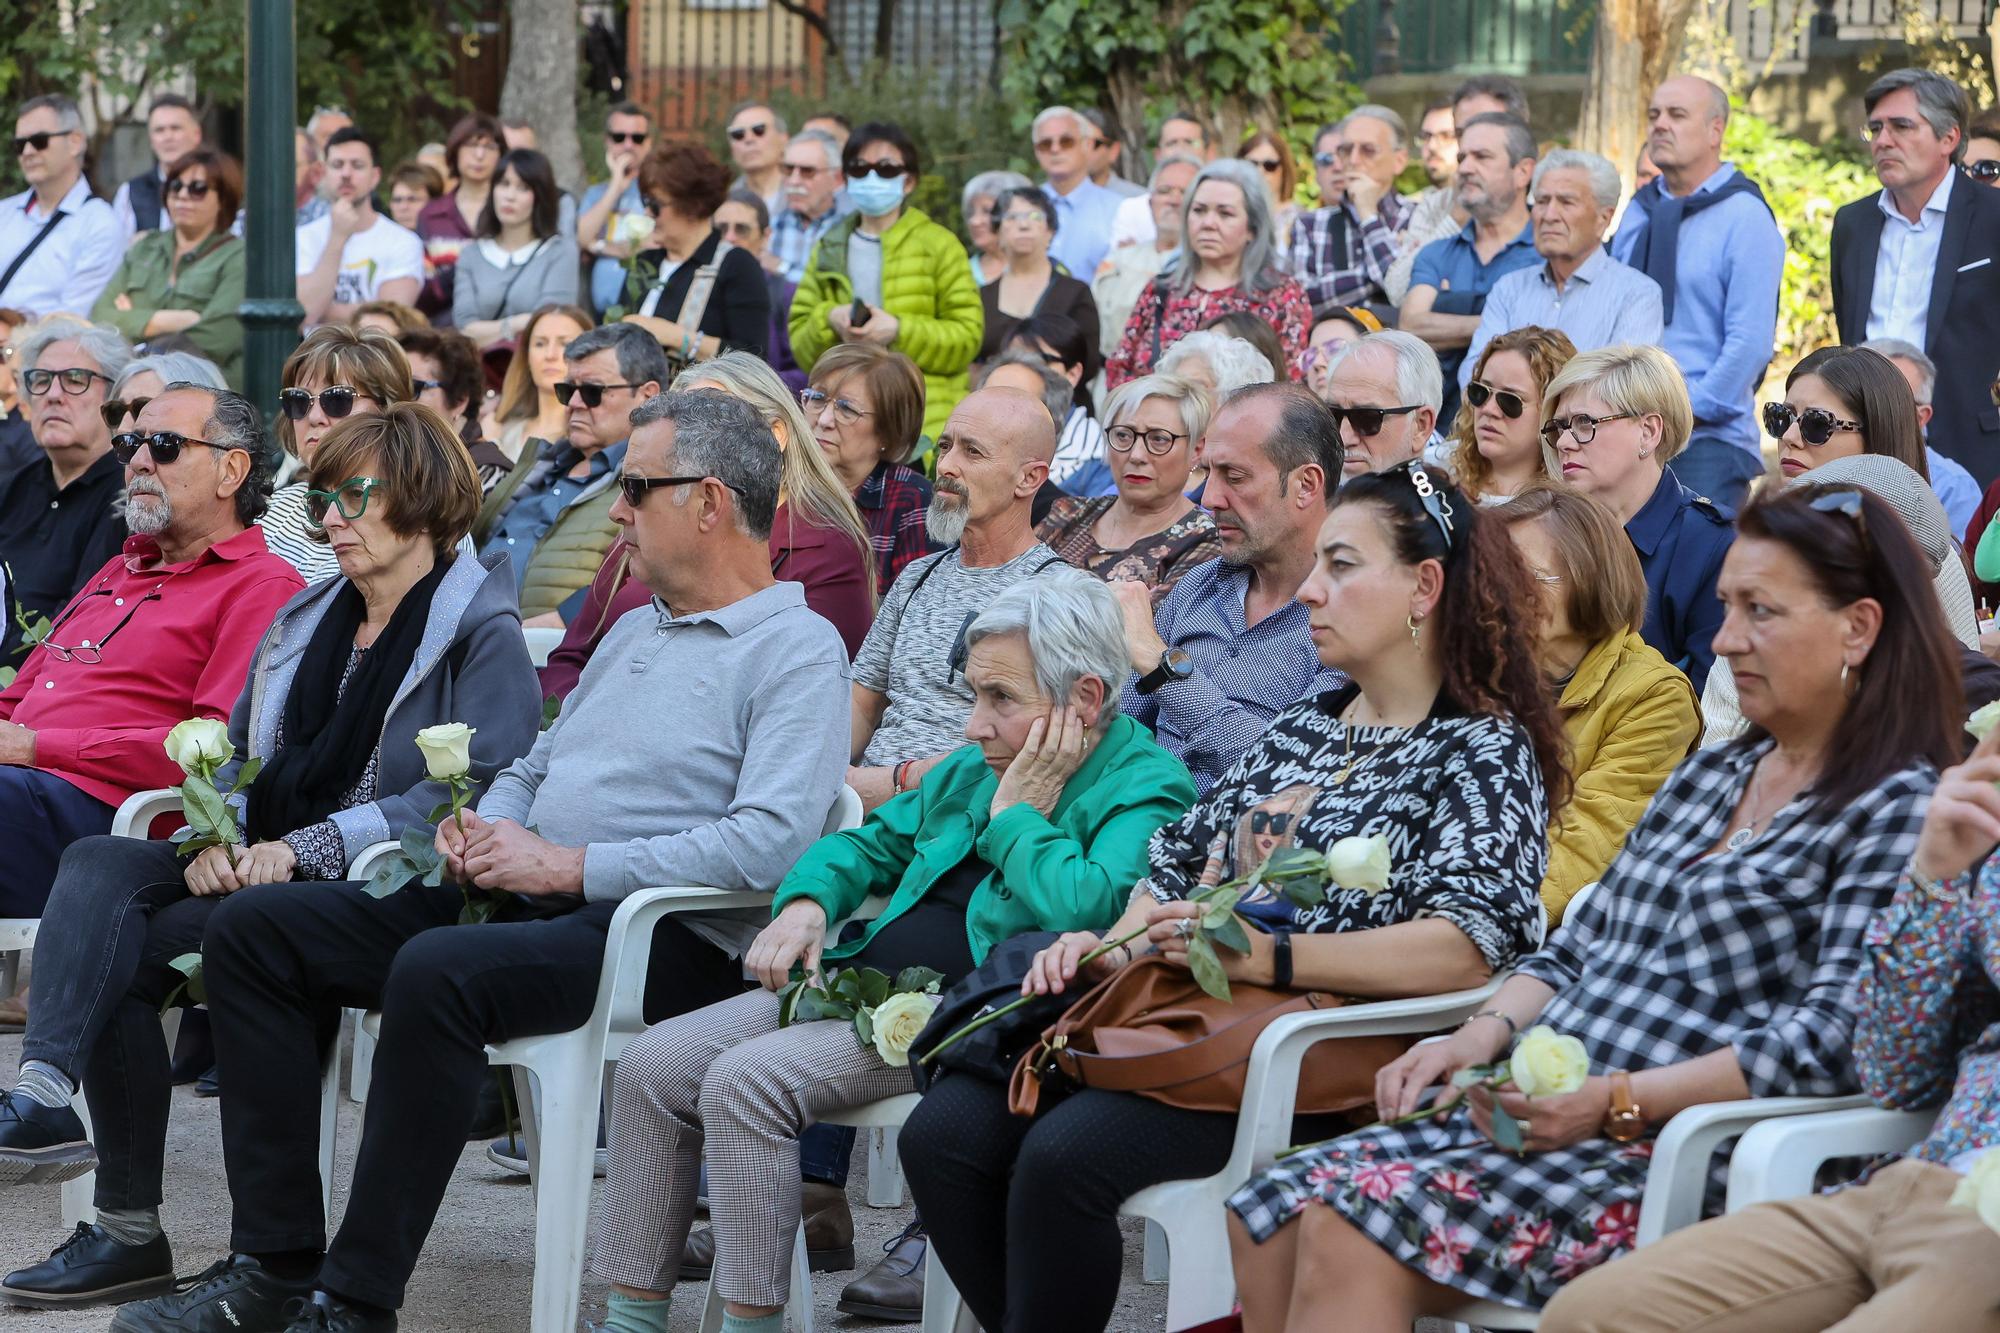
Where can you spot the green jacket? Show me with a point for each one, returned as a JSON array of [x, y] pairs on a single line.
[[926, 284], [567, 556], [210, 283], [1073, 870]]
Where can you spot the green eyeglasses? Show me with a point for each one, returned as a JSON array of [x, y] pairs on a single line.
[[350, 498]]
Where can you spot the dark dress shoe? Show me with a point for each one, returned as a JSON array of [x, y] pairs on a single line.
[[39, 1144], [209, 1084], [234, 1295], [90, 1268], [829, 1235], [893, 1290], [321, 1313], [194, 1048]]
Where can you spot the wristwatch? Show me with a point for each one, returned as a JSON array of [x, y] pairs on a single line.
[[1624, 1122], [1175, 664]]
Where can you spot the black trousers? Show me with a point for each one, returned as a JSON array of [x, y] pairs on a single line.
[[282, 961]]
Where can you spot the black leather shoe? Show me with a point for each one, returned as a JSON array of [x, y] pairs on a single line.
[[90, 1268], [321, 1313], [829, 1235], [234, 1295], [41, 1145], [893, 1290]]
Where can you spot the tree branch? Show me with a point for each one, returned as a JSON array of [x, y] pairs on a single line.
[[813, 19]]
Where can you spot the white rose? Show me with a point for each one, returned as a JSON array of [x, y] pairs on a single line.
[[447, 749], [1548, 1064], [1980, 1189], [897, 1021], [199, 742], [1360, 863], [1984, 720]]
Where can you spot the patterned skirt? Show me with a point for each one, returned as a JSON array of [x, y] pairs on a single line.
[[1446, 1202]]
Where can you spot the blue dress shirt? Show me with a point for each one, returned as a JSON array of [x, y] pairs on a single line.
[[1083, 227], [607, 275], [1452, 267], [540, 500], [1956, 491], [1604, 302]]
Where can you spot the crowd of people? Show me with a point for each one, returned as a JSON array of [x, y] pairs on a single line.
[[1167, 527]]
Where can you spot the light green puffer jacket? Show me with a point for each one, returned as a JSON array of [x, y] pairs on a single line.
[[926, 284]]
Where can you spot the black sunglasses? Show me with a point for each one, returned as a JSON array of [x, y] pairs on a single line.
[[164, 445], [336, 401], [1367, 421], [1816, 424], [1510, 403], [887, 168], [424, 386], [1988, 170], [39, 141], [115, 410], [635, 488], [1274, 823], [616, 137], [592, 394], [192, 189], [742, 132]]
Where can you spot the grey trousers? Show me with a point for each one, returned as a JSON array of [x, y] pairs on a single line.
[[729, 1080]]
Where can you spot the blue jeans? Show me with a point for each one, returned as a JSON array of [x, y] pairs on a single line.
[[40, 815], [824, 1153], [1719, 470]]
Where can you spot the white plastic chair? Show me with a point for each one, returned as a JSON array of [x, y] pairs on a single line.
[[1779, 1159], [541, 642]]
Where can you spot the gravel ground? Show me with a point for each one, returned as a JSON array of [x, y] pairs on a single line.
[[478, 1265]]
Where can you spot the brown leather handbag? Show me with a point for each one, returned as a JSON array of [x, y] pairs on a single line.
[[1149, 1029]]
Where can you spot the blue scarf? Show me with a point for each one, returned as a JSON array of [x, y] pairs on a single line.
[[1657, 249]]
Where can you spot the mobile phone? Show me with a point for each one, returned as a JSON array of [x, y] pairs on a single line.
[[857, 314]]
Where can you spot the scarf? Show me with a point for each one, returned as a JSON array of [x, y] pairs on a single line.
[[1656, 252], [330, 732]]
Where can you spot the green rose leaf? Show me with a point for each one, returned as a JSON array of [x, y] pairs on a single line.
[[864, 1026], [1207, 968], [1227, 931], [394, 872], [478, 910], [248, 773], [914, 980], [1506, 1130], [873, 986]]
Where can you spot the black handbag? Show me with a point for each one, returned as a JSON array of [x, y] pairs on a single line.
[[992, 1051]]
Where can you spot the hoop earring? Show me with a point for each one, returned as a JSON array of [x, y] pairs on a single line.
[[1416, 636], [1844, 688]]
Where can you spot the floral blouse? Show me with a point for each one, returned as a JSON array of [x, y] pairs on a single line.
[[1171, 316], [1156, 561]]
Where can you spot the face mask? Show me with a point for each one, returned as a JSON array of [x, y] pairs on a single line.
[[875, 196]]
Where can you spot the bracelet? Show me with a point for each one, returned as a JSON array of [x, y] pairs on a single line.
[[898, 774], [687, 346], [1513, 1028], [1930, 886]]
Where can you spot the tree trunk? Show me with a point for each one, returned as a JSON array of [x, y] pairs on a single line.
[[1637, 45], [540, 86], [1992, 52]]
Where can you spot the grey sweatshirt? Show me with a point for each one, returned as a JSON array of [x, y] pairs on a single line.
[[480, 289], [704, 749]]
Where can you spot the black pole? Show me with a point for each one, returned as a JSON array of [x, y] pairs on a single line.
[[271, 311]]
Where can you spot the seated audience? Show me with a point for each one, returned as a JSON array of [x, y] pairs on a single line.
[[1337, 329], [696, 294], [334, 374], [1385, 391], [1271, 157], [518, 262], [1615, 418], [1230, 647], [1040, 823], [1341, 253], [407, 637], [1497, 441], [412, 187], [1897, 1249], [975, 205], [614, 224], [173, 130], [449, 223], [390, 317], [812, 204], [552, 513], [162, 632], [865, 408], [1445, 745], [1437, 217], [1128, 268], [910, 700], [1713, 962], [753, 682], [58, 511], [1147, 530], [1062, 345], [1229, 260], [529, 416], [1032, 284], [1955, 487], [448, 379], [817, 537], [745, 222], [1628, 717], [1063, 139], [891, 276], [187, 279], [61, 272], [1023, 372], [353, 254]]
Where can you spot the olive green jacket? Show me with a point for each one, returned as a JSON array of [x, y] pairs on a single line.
[[210, 283]]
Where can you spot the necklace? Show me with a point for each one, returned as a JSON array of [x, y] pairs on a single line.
[[1354, 761], [1743, 837]]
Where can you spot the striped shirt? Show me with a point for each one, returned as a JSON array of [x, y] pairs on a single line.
[[284, 524]]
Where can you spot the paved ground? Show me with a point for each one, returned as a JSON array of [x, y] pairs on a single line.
[[477, 1267]]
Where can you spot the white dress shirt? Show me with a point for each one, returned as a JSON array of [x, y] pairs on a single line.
[[1900, 306], [71, 265]]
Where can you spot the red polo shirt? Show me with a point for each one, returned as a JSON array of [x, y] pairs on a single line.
[[183, 652]]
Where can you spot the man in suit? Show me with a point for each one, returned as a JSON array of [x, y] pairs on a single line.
[[1920, 259]]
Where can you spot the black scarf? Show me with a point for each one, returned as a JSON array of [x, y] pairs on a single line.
[[1656, 252], [330, 733]]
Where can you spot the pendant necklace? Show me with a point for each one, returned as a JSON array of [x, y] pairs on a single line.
[[1743, 837], [1354, 761]]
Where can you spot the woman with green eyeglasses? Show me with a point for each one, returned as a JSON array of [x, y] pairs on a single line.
[[413, 633]]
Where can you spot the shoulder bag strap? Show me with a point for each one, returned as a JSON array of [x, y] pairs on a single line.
[[29, 249], [695, 304]]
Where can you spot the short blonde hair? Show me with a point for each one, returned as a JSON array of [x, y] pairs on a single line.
[[1628, 378], [1196, 405]]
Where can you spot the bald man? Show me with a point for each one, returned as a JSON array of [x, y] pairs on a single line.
[[910, 696], [1703, 232]]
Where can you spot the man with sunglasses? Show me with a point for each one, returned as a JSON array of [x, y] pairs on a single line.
[[812, 202], [162, 632], [1341, 253], [1384, 390], [59, 243], [1103, 152], [614, 220], [757, 139], [1085, 210], [58, 521]]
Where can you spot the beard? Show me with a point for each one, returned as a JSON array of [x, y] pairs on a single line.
[[148, 512], [945, 520]]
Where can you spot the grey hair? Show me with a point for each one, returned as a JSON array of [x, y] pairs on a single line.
[[172, 368], [1419, 378], [1057, 394], [1074, 631], [1049, 113], [1604, 184], [716, 435], [1173, 160], [1196, 404], [827, 143], [639, 357], [67, 114], [1940, 101], [1233, 361], [235, 423], [1520, 135], [1896, 349], [101, 342], [1399, 133], [990, 184], [1260, 256]]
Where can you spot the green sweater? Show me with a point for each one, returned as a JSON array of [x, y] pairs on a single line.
[[1072, 870], [210, 283]]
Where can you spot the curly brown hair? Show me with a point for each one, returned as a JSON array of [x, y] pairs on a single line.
[[685, 178], [1546, 351]]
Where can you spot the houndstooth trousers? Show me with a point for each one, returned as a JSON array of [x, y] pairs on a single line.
[[727, 1077]]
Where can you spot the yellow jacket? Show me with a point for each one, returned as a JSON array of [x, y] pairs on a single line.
[[1630, 718]]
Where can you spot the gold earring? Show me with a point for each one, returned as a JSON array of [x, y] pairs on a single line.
[[1416, 636]]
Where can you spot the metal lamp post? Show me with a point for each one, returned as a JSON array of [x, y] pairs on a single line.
[[271, 311]]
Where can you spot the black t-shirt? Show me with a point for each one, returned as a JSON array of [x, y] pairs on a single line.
[[931, 934], [52, 539]]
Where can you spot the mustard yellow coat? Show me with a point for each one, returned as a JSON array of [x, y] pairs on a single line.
[[1630, 718]]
